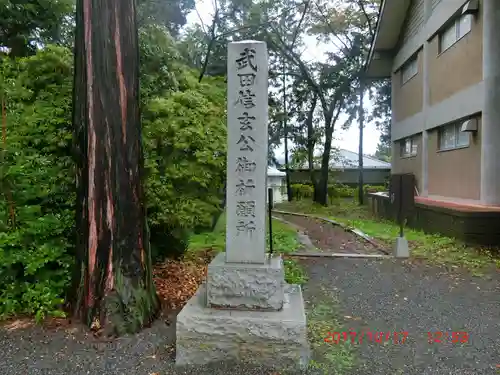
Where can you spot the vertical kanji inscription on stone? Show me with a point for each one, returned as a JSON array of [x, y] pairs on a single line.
[[247, 114]]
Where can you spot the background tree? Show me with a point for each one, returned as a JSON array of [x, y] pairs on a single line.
[[115, 283], [23, 25], [380, 94], [168, 13], [332, 84], [347, 26], [307, 132]]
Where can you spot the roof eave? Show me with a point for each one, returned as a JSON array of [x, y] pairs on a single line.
[[374, 38], [389, 24]]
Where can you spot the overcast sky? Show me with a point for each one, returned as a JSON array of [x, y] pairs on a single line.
[[347, 139]]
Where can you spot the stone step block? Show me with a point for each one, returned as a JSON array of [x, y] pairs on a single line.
[[269, 338]]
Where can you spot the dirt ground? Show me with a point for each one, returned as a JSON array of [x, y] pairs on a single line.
[[327, 237]]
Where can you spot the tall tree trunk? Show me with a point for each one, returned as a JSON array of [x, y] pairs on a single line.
[[321, 192], [114, 284], [361, 193], [289, 192], [311, 140]]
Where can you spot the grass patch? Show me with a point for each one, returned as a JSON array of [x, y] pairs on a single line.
[[284, 241], [434, 248], [294, 272], [322, 317], [284, 238]]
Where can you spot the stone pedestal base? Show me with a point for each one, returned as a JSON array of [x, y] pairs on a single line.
[[246, 286], [269, 338]]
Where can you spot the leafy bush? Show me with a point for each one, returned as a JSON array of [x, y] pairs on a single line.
[[36, 214], [184, 132], [335, 191], [184, 140], [300, 191], [370, 189], [340, 191]]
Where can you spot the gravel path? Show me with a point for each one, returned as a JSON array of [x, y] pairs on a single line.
[[388, 296], [380, 296], [394, 296], [36, 351]]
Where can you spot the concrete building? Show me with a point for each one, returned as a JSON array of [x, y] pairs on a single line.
[[443, 57]]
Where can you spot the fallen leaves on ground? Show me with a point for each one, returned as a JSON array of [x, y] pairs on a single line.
[[50, 323], [177, 281], [16, 324]]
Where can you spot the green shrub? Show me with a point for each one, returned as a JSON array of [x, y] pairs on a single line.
[[185, 145], [340, 191], [308, 183], [300, 191], [335, 191], [37, 184], [370, 189], [184, 139]]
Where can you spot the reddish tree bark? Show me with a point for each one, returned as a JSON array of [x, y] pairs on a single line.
[[113, 280]]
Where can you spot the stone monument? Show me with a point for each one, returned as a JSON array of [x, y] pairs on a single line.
[[245, 311]]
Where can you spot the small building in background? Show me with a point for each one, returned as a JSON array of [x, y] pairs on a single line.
[[277, 181], [344, 169]]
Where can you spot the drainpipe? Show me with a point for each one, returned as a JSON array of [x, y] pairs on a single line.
[[490, 137], [425, 106]]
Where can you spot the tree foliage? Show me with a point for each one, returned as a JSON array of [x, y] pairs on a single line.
[[381, 115], [320, 96], [24, 25], [184, 139], [170, 14], [36, 247], [183, 106]]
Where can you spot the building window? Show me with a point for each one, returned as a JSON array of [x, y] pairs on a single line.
[[456, 31], [409, 70], [450, 137], [408, 147]]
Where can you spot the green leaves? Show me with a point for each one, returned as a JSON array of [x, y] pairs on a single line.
[[171, 14], [37, 173], [184, 138], [185, 142], [26, 23]]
